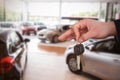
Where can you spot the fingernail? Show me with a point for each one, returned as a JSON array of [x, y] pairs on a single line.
[[59, 38]]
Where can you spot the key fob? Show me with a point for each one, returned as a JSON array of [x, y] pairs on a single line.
[[78, 49]]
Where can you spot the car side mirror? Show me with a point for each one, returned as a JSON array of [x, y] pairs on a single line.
[[26, 40], [12, 47]]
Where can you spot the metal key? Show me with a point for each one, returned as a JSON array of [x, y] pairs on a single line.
[[78, 51]]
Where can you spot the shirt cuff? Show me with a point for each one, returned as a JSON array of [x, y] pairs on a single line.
[[117, 25]]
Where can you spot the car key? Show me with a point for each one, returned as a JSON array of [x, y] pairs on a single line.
[[78, 51]]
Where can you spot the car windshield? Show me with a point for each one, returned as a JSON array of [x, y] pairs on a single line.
[[27, 24], [7, 25], [55, 27], [38, 24], [106, 46]]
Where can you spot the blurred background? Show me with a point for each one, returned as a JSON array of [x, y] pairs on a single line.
[[31, 16], [56, 11]]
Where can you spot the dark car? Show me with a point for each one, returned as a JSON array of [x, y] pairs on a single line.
[[101, 58], [28, 28], [40, 25], [13, 55]]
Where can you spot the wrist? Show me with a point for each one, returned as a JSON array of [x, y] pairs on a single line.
[[112, 28]]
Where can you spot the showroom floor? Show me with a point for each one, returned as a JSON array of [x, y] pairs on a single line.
[[46, 62]]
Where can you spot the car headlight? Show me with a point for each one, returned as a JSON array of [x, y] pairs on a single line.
[[22, 28]]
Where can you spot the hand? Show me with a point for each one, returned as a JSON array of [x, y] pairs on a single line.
[[87, 28]]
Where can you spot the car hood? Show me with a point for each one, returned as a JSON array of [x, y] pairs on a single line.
[[30, 27], [46, 31], [71, 47]]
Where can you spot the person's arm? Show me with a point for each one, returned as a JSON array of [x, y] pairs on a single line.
[[87, 29]]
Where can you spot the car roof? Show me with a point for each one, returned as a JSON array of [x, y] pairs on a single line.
[[106, 39], [4, 35], [94, 41]]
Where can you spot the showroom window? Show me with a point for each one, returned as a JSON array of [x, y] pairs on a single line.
[[50, 12], [13, 13], [80, 9], [1, 10], [44, 12], [9, 11]]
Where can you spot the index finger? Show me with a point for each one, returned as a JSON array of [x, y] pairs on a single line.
[[67, 35], [76, 30]]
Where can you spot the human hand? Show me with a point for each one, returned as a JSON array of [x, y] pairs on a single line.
[[87, 28]]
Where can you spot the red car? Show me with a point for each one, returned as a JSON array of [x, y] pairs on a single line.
[[28, 28]]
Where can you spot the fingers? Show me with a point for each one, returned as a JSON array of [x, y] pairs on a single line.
[[76, 30], [68, 35], [86, 36]]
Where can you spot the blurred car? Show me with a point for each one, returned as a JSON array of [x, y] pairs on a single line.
[[8, 26], [13, 55], [28, 28], [51, 34], [40, 25], [101, 58]]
